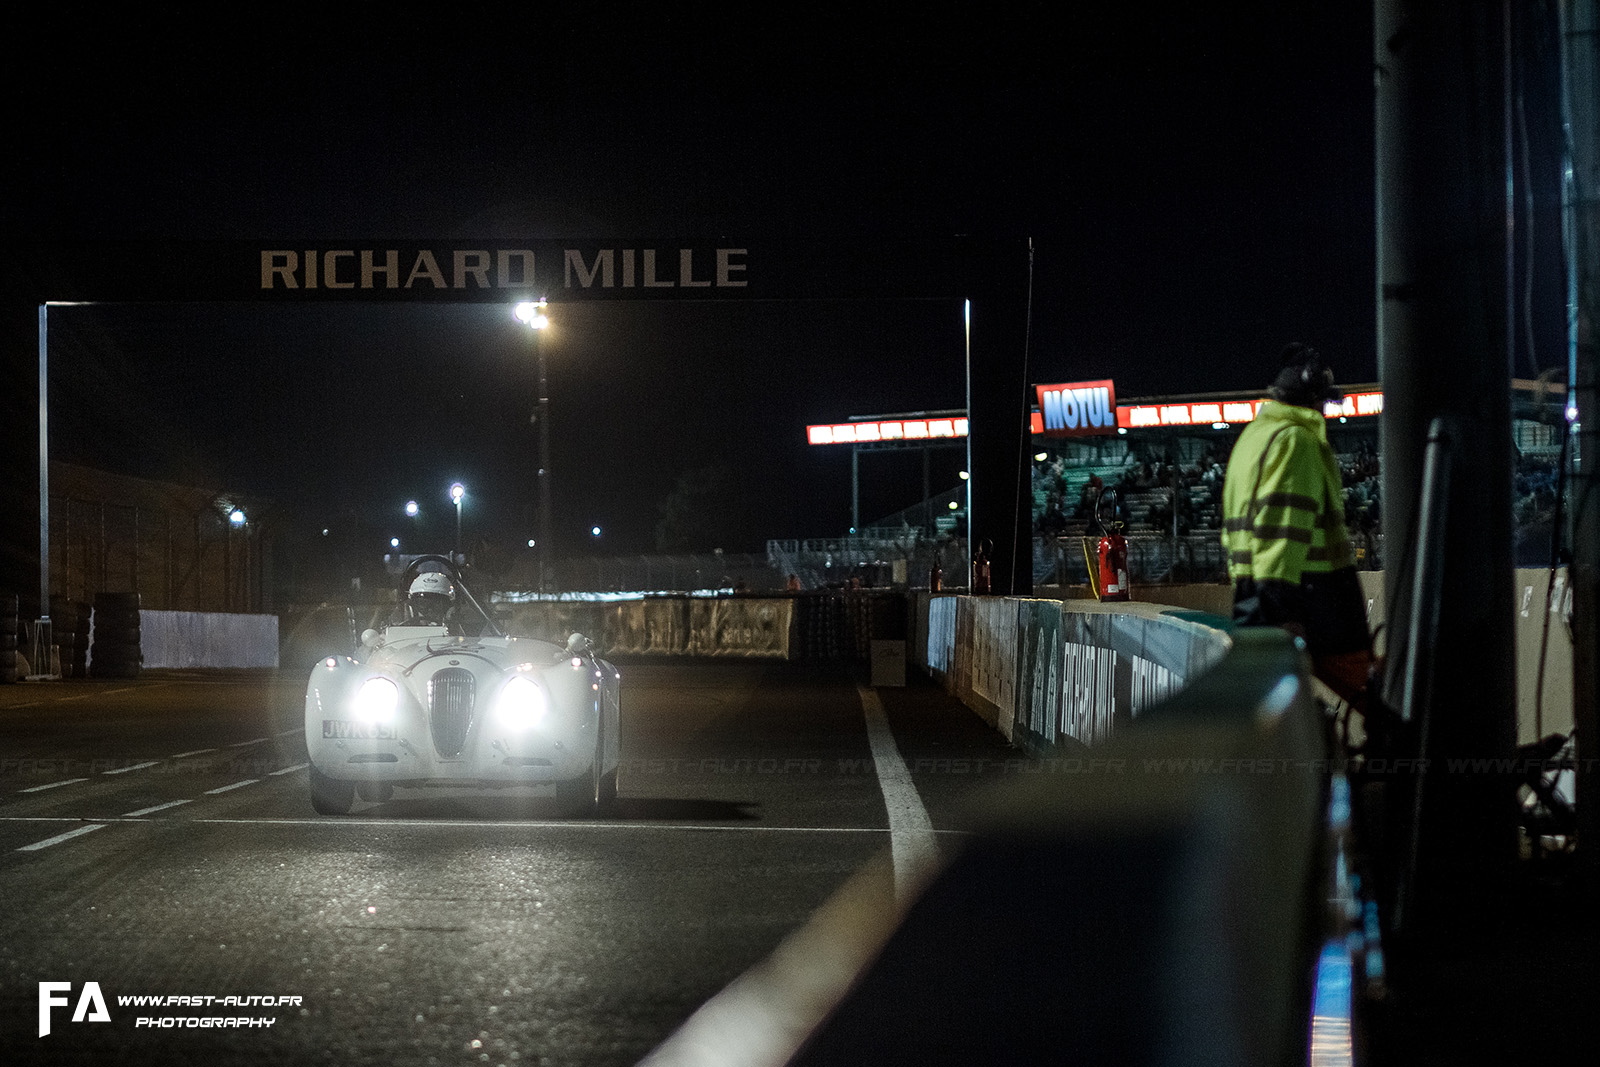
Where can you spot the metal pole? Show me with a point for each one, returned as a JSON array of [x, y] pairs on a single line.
[[995, 329], [44, 467], [855, 488], [1580, 69], [927, 493], [544, 464], [1422, 627], [1443, 351]]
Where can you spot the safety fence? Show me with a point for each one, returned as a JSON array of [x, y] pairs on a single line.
[[174, 545], [1161, 559]]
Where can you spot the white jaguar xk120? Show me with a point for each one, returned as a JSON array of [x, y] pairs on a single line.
[[441, 695]]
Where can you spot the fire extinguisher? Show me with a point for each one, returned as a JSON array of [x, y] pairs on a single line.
[[1113, 569]]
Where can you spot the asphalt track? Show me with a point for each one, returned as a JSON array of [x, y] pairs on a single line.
[[156, 839]]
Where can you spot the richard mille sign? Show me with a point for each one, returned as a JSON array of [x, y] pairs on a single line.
[[481, 269], [519, 269]]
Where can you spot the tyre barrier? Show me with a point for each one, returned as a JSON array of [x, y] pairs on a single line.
[[114, 650], [8, 638], [69, 633], [842, 625], [80, 639]]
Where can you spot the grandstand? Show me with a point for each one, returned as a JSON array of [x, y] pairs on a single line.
[[1162, 482], [1167, 478]]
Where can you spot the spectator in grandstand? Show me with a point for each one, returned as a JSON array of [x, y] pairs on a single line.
[[1290, 557], [1053, 522], [1089, 497]]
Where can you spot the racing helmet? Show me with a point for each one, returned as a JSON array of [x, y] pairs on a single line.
[[430, 596]]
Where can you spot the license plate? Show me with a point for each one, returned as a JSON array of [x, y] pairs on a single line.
[[339, 729]]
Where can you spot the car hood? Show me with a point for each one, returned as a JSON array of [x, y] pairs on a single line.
[[406, 653]]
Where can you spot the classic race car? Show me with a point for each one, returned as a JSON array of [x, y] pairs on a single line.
[[442, 695]]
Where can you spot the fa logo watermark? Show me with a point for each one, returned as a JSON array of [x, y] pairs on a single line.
[[90, 998]]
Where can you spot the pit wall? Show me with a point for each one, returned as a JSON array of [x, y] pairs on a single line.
[[1054, 676], [1111, 661]]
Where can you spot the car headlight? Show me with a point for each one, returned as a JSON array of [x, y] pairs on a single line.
[[376, 700], [522, 703]]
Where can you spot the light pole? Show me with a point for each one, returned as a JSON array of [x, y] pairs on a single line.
[[533, 313], [457, 491]]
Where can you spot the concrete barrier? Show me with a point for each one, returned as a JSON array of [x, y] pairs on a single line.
[[1054, 676], [207, 639], [738, 627]]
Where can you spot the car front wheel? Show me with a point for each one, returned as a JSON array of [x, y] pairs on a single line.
[[329, 796], [594, 792]]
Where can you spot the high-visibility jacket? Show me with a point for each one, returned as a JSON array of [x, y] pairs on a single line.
[[1282, 500]]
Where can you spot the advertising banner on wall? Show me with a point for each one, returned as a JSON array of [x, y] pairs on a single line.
[[1078, 409]]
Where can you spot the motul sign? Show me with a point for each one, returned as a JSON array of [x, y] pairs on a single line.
[[1078, 409]]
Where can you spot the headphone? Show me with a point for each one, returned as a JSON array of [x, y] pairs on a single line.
[[1314, 374]]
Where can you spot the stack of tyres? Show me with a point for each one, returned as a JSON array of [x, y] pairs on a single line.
[[823, 618], [80, 640], [860, 622], [115, 651], [8, 638], [69, 618]]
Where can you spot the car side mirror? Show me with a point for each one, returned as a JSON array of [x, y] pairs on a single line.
[[368, 636], [579, 645]]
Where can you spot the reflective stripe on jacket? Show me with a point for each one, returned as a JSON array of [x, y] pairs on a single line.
[[1282, 500]]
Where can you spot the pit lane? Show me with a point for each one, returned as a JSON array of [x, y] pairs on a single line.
[[416, 927]]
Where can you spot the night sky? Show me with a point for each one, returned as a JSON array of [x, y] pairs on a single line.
[[1196, 180]]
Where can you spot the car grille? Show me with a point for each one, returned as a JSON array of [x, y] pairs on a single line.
[[450, 695]]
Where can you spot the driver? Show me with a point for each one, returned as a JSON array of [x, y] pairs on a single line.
[[431, 599]]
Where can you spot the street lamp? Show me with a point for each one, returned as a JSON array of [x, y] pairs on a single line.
[[534, 314], [457, 491]]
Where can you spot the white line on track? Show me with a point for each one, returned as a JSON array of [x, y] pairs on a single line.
[[153, 810], [196, 752], [69, 835], [559, 824], [52, 785], [253, 741], [357, 822], [288, 770], [911, 840], [103, 693], [135, 767], [235, 785]]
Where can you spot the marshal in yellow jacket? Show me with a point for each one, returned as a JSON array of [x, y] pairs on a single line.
[[1289, 554]]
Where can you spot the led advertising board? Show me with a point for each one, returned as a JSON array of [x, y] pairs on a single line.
[[1226, 412], [872, 431], [1074, 409]]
